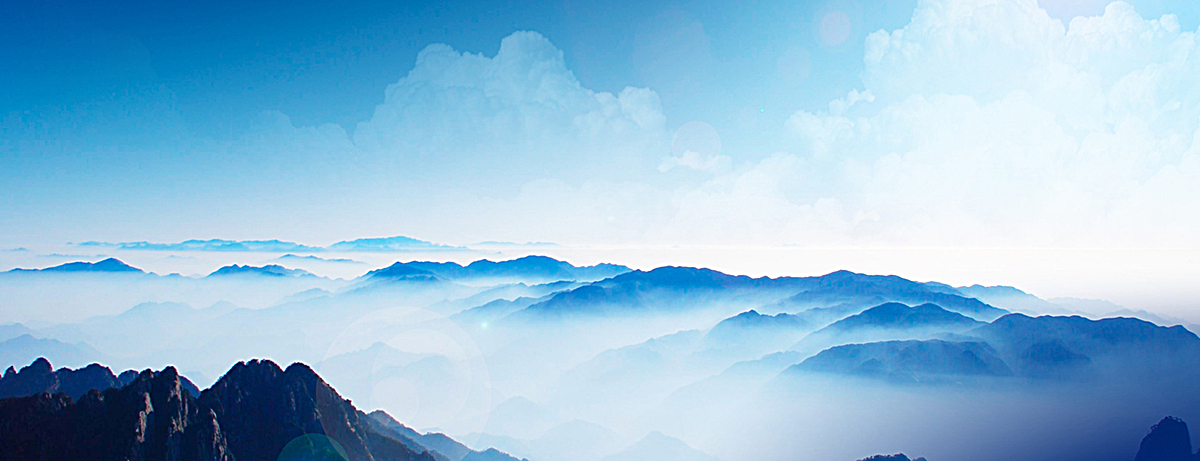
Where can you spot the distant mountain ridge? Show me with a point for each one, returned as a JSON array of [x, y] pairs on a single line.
[[659, 447], [850, 289], [1045, 347], [383, 244], [27, 347], [666, 288], [536, 268], [269, 270], [113, 265], [908, 361]]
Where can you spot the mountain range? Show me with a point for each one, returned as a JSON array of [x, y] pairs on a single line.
[[670, 289], [1045, 347], [539, 269], [270, 270], [384, 244]]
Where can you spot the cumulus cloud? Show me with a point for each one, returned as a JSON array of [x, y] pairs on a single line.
[[521, 113], [988, 122]]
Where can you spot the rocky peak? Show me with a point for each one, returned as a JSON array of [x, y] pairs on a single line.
[[1169, 440], [36, 378]]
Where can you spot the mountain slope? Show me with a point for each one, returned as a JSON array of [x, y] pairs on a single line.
[[442, 447], [658, 447], [908, 361], [1013, 299]]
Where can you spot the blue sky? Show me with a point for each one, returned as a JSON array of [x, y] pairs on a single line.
[[951, 123]]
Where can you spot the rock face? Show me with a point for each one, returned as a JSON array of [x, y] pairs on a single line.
[[262, 408], [39, 377], [1168, 440], [152, 418], [252, 413]]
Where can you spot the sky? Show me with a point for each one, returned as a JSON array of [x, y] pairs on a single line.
[[895, 124]]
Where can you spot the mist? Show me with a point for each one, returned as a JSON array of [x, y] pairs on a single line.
[[555, 362]]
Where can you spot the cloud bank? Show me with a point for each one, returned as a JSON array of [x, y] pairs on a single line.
[[990, 123]]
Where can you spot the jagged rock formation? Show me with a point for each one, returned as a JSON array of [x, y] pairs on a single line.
[[257, 411], [152, 418], [1169, 440], [262, 408], [40, 377]]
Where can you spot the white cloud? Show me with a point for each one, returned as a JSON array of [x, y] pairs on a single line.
[[993, 124], [981, 123], [521, 114]]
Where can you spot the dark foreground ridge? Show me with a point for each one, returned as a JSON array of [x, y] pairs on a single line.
[[40, 377], [255, 412], [1168, 440]]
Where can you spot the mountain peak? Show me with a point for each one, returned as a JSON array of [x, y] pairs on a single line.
[[39, 365], [1169, 440]]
